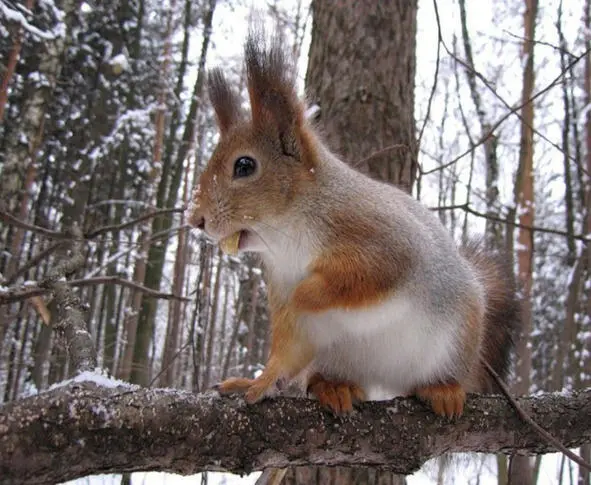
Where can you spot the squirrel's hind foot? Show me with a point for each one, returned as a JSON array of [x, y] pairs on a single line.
[[338, 396], [445, 399]]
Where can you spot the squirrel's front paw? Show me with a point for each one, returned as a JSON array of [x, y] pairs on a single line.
[[234, 385], [338, 396]]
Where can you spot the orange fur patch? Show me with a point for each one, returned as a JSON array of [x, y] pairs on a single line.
[[347, 277]]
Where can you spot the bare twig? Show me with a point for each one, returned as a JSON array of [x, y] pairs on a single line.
[[33, 261], [435, 77], [512, 111], [470, 210], [377, 153], [125, 225], [103, 280], [527, 418], [10, 219]]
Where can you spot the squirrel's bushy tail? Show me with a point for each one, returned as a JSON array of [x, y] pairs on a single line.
[[502, 316]]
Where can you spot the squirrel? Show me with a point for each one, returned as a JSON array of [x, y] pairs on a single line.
[[369, 295]]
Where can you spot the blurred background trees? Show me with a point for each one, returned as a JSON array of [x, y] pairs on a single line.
[[481, 110]]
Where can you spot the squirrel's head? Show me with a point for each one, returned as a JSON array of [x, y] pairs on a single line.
[[262, 165]]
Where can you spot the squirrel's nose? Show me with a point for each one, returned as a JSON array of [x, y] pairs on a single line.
[[199, 223]]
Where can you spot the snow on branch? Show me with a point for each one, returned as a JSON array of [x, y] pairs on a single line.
[[83, 428], [18, 15]]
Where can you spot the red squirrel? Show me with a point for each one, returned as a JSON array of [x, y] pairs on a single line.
[[369, 295]]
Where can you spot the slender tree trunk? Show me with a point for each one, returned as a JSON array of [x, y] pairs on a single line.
[[212, 327], [202, 311], [132, 309], [520, 470], [584, 475], [11, 64], [493, 232], [249, 358], [176, 308], [140, 370], [565, 364]]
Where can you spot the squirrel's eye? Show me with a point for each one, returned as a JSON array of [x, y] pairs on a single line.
[[244, 167]]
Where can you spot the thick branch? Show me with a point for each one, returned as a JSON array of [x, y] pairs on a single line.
[[83, 428]]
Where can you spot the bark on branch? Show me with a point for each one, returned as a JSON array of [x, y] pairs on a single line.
[[83, 428]]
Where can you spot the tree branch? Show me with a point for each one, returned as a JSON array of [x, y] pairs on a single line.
[[10, 219], [83, 428], [71, 319], [10, 295]]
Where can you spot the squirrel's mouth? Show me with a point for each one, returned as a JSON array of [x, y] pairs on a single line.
[[242, 240], [231, 244]]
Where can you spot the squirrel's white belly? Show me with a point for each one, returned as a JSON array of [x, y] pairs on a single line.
[[388, 349]]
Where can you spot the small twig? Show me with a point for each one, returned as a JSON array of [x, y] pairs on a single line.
[[523, 415], [33, 261], [10, 219], [509, 113], [174, 357], [470, 210], [102, 280], [125, 225], [435, 77]]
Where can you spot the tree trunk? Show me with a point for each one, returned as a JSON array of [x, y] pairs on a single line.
[[584, 475], [140, 370], [366, 115], [520, 470], [366, 106]]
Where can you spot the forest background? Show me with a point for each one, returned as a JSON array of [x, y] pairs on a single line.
[[105, 126]]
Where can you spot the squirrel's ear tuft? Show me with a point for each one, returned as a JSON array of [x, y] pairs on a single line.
[[275, 106], [225, 102]]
